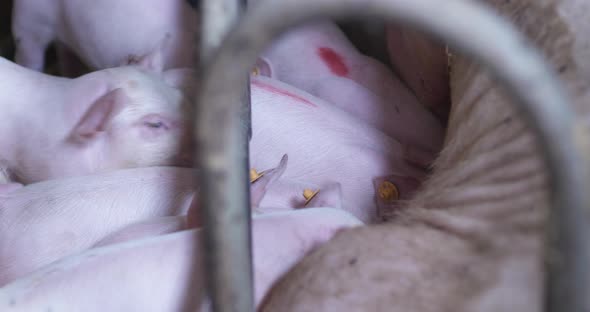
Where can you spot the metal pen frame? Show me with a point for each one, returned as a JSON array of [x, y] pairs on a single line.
[[468, 27], [226, 231]]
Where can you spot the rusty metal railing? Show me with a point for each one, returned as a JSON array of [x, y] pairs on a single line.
[[466, 26]]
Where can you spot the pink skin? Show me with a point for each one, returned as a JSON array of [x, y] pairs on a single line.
[[132, 116], [268, 185], [280, 240], [147, 228], [325, 145], [287, 194], [103, 209], [319, 59], [270, 193], [43, 222], [87, 28], [121, 276], [6, 188]]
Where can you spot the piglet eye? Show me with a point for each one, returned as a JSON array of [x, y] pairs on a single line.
[[155, 124]]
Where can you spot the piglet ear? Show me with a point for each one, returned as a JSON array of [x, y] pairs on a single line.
[[100, 114], [261, 182], [263, 67], [153, 60], [328, 196]]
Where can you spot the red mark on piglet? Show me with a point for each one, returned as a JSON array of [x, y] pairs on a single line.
[[334, 61], [276, 90]]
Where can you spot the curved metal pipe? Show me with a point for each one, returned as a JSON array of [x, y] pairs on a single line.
[[226, 217], [466, 26]]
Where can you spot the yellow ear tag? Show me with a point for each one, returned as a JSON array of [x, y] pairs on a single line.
[[388, 191], [254, 175], [256, 71], [309, 195]]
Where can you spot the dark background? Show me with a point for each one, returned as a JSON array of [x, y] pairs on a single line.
[[6, 48]]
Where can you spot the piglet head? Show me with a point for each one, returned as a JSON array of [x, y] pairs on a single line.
[[144, 120]]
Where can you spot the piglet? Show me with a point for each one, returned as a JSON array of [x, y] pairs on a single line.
[[43, 222], [132, 116], [105, 33], [157, 225], [326, 145], [154, 274], [319, 59]]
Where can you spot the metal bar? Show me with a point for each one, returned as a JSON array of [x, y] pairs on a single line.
[[469, 27], [225, 189], [217, 18]]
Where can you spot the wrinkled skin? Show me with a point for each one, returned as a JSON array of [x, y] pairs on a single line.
[[326, 145], [473, 238], [133, 116], [318, 58], [120, 277], [88, 28]]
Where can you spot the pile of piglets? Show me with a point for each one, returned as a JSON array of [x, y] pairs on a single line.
[[98, 206]]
